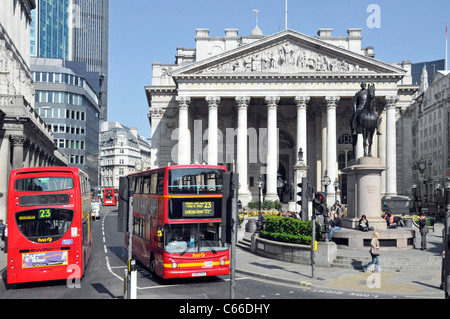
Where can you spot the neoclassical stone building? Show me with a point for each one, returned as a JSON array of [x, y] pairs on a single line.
[[25, 140], [256, 102]]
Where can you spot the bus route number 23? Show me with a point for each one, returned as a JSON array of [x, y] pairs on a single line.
[[45, 213]]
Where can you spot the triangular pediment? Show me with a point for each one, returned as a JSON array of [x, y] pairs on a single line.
[[290, 53]]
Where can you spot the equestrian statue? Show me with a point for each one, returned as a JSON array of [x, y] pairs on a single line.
[[365, 118]]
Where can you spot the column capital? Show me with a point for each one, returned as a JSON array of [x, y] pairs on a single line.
[[301, 101], [272, 101], [213, 101], [332, 101], [18, 139], [391, 100], [157, 112], [242, 101], [183, 101]]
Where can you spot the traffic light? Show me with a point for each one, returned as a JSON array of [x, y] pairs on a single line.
[[229, 213], [226, 208], [302, 199], [320, 203]]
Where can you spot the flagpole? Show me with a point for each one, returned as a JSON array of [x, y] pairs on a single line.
[[286, 16], [446, 43]]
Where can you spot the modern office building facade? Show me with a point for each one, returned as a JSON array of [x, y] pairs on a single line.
[[74, 30], [69, 105]]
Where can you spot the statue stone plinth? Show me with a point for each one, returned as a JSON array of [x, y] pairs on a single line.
[[364, 193]]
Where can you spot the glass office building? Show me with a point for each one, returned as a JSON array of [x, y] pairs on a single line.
[[74, 30], [50, 29], [69, 105]]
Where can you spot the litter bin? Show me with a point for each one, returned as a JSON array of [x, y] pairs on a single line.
[[408, 221], [250, 227]]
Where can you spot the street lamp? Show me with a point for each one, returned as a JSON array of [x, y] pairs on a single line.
[[336, 185], [280, 184], [437, 197], [260, 186], [326, 180], [259, 223], [414, 191]]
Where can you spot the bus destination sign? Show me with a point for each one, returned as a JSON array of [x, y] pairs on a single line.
[[198, 209]]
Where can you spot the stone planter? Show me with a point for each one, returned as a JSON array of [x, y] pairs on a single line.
[[294, 253]]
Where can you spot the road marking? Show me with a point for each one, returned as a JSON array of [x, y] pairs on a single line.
[[110, 270]]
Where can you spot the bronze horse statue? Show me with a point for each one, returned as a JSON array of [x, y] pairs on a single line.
[[365, 120]]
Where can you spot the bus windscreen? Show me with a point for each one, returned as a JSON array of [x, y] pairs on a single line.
[[193, 238], [195, 181]]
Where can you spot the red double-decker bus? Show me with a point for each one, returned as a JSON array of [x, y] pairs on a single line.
[[49, 228], [109, 197], [177, 215]]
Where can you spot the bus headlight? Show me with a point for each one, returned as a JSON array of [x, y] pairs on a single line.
[[174, 265], [222, 262]]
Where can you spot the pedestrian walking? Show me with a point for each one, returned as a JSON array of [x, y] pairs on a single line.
[[423, 229], [375, 253]]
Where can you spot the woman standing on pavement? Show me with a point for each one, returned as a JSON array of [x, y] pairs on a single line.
[[375, 253]]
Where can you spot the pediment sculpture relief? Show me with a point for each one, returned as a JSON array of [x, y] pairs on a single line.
[[285, 58]]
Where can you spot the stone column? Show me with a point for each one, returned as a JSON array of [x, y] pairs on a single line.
[[319, 157], [156, 115], [31, 152], [35, 160], [27, 153], [332, 102], [272, 147], [301, 102], [18, 141], [184, 135], [242, 103], [391, 146], [213, 105], [382, 149]]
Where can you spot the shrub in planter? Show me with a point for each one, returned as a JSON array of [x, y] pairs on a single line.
[[289, 230], [265, 205]]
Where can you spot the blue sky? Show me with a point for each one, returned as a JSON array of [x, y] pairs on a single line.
[[146, 31]]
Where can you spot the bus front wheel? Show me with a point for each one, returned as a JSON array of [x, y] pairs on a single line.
[[152, 265]]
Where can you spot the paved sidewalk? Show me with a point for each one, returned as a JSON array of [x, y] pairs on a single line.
[[404, 283]]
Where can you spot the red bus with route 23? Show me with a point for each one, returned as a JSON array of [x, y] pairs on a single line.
[[49, 227], [109, 197], [177, 221]]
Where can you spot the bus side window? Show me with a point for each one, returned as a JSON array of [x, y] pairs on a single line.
[[138, 185], [146, 186], [153, 183], [160, 187]]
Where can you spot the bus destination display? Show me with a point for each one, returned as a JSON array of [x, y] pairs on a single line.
[[198, 209]]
